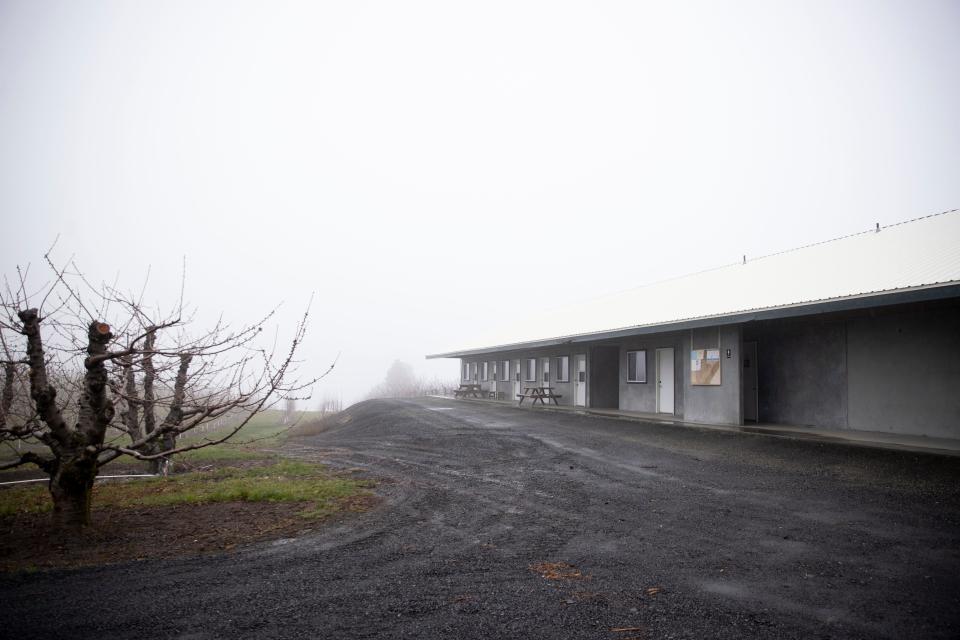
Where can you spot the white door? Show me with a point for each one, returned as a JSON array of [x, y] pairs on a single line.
[[517, 384], [665, 380], [751, 395], [544, 372], [580, 382]]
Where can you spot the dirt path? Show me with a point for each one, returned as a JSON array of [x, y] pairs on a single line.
[[507, 523]]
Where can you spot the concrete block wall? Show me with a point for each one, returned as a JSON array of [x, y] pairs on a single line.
[[719, 404], [802, 371], [904, 371], [894, 369], [642, 397]]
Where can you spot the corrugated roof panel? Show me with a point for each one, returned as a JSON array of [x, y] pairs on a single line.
[[921, 252]]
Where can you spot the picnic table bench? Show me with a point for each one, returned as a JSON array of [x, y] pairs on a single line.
[[468, 390], [540, 394]]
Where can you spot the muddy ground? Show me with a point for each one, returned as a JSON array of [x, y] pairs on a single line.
[[505, 523]]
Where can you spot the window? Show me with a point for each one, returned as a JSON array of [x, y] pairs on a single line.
[[505, 370], [531, 370], [486, 370], [473, 371], [562, 365], [636, 366], [466, 371]]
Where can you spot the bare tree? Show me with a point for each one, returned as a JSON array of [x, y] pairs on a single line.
[[71, 370], [330, 403], [399, 382]]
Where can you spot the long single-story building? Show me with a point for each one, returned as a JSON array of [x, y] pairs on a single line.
[[860, 332]]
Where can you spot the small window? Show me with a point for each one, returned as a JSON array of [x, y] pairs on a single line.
[[636, 366], [505, 370], [473, 371], [466, 371], [531, 370], [562, 364], [493, 371], [485, 368]]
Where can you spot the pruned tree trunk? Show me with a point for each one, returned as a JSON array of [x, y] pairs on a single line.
[[74, 467], [174, 415], [131, 417], [149, 399], [6, 398], [71, 486], [41, 391]]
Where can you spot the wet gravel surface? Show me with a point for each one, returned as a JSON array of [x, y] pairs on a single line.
[[506, 523]]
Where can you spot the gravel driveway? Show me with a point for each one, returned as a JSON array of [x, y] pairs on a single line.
[[507, 523]]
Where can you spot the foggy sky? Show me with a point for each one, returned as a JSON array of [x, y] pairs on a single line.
[[428, 170]]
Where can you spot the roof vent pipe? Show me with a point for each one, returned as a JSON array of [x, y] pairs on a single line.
[[878, 227]]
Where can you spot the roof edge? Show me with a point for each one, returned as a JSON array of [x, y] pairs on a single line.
[[919, 293]]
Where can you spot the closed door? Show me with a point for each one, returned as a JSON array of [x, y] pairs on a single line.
[[580, 381], [517, 384], [665, 380], [544, 372], [750, 382]]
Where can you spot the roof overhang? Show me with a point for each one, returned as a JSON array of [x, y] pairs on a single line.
[[862, 301]]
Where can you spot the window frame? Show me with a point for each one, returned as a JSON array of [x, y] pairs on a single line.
[[527, 372], [637, 359], [504, 370], [558, 363]]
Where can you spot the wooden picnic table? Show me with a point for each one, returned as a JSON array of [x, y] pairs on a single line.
[[540, 394], [467, 390]]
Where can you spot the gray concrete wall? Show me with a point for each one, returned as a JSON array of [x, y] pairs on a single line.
[[895, 369], [904, 371], [801, 371], [642, 397], [716, 404]]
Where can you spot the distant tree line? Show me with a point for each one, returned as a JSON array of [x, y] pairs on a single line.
[[401, 382]]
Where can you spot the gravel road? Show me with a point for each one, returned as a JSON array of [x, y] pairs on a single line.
[[643, 531]]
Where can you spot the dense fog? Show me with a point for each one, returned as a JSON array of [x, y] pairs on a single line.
[[425, 171]]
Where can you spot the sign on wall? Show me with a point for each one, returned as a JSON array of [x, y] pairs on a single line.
[[705, 366]]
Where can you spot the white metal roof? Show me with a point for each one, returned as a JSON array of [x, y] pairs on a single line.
[[920, 253]]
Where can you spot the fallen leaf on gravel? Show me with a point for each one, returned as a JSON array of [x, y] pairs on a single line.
[[652, 591], [557, 571]]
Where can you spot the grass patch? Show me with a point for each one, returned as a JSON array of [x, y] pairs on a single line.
[[222, 452], [281, 481], [264, 431]]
